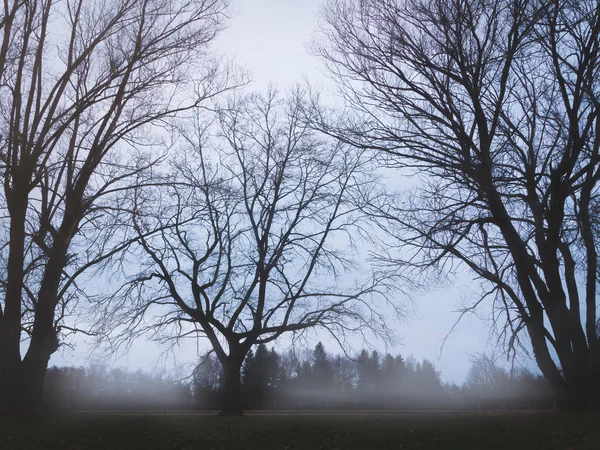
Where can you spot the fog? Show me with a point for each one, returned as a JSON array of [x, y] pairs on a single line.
[[444, 376], [97, 387], [314, 380], [329, 205]]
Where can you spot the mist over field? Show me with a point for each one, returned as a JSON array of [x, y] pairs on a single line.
[[317, 381], [283, 224]]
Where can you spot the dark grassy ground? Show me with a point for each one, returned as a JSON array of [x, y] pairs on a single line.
[[424, 431]]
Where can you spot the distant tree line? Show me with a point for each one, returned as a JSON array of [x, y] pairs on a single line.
[[368, 381], [98, 387], [272, 381]]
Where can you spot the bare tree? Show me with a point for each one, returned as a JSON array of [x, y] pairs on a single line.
[[495, 104], [83, 84], [487, 376], [256, 236]]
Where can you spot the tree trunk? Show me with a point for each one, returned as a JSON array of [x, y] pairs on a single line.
[[582, 396], [22, 389], [33, 392], [35, 365], [22, 382], [576, 389], [232, 388], [11, 379], [11, 385]]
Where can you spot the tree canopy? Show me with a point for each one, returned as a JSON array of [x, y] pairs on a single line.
[[494, 105]]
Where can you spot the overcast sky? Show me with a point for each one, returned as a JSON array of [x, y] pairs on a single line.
[[269, 38]]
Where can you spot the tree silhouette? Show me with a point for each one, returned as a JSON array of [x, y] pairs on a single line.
[[284, 385], [496, 106], [343, 375], [322, 371], [261, 377], [247, 249], [207, 379], [83, 84]]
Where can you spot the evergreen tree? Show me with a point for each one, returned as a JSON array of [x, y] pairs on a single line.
[[344, 374], [362, 369], [255, 372], [389, 373], [374, 370], [322, 370], [304, 375], [206, 382], [273, 370], [430, 376]]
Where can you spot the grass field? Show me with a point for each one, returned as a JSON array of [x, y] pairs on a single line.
[[423, 431]]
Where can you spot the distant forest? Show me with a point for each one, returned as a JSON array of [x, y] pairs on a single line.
[[316, 380]]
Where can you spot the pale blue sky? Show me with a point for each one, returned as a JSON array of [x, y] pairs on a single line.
[[269, 38]]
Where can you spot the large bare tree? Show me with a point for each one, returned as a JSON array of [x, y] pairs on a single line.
[[83, 87], [495, 104], [256, 236]]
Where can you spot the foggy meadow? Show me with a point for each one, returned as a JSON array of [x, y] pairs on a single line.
[[273, 381], [285, 227]]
